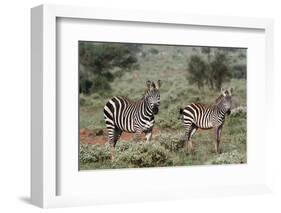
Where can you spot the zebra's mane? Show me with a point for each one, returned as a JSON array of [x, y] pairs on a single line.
[[145, 92], [218, 100], [143, 96]]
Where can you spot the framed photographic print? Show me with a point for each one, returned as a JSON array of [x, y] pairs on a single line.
[[149, 106], [189, 74]]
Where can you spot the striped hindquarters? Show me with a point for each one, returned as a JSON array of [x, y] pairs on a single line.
[[197, 114]]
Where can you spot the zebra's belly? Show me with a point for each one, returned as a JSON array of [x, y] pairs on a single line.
[[135, 127], [126, 128], [207, 125], [143, 127]]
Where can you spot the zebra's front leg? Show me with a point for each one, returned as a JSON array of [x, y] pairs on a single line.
[[148, 135], [137, 136], [218, 137]]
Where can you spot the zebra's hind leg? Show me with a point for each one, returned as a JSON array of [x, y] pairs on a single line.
[[113, 136], [193, 130], [188, 145]]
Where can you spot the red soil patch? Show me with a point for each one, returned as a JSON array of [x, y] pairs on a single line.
[[89, 137]]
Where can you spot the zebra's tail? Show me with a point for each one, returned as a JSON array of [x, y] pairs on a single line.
[[180, 113]]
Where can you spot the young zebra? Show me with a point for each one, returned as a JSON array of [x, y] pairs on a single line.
[[124, 115], [196, 116]]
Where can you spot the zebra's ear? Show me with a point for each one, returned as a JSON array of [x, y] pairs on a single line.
[[158, 84], [223, 92], [148, 84], [230, 91]]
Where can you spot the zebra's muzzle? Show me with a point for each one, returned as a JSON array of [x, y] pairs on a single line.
[[155, 110]]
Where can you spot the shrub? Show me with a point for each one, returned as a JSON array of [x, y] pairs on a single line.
[[82, 101], [233, 157], [154, 51], [122, 146], [170, 119], [171, 142], [85, 86], [93, 153], [239, 112], [141, 155]]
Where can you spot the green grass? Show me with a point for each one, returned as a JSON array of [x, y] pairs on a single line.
[[169, 65]]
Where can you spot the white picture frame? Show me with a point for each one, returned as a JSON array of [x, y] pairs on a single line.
[[45, 171]]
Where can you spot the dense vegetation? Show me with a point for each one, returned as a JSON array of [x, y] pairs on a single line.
[[101, 63], [175, 66]]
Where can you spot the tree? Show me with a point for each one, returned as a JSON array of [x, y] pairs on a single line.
[[101, 63], [197, 71], [85, 86], [212, 70], [207, 51], [239, 71], [219, 69]]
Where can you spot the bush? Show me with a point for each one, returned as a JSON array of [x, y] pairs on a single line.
[[239, 112], [122, 146], [154, 51], [233, 157], [82, 101], [85, 86], [169, 119], [93, 153], [171, 142], [137, 155]]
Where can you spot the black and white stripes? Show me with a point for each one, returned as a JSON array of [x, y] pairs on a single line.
[[196, 116], [124, 115]]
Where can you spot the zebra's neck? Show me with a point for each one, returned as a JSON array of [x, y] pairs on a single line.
[[146, 109], [221, 110]]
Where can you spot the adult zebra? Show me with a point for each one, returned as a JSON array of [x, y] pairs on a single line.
[[196, 116], [124, 115]]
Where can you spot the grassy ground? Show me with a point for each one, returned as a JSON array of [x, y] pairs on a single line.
[[169, 65]]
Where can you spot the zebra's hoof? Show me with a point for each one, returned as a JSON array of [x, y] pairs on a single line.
[[111, 157], [218, 151]]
